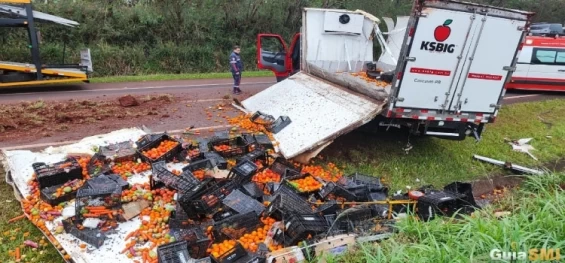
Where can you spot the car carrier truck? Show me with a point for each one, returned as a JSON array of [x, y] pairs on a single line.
[[447, 81], [20, 14]]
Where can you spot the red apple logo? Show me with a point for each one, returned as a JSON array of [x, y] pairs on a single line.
[[442, 32]]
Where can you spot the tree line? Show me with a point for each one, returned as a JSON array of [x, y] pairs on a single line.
[[135, 37]]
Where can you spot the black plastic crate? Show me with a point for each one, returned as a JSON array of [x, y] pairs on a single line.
[[243, 172], [264, 141], [182, 182], [299, 227], [286, 204], [465, 189], [119, 152], [175, 252], [284, 168], [336, 190], [211, 200], [279, 124], [168, 156], [255, 155], [329, 207], [219, 161], [360, 191], [236, 226], [232, 255], [262, 118], [253, 190], [242, 203], [186, 197], [197, 241], [206, 164], [109, 197], [48, 194], [97, 165], [57, 173], [148, 138], [224, 214], [93, 237], [237, 146], [355, 214], [373, 183], [104, 180], [442, 203]]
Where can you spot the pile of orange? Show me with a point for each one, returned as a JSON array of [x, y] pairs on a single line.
[[222, 148], [267, 176], [218, 249], [363, 75], [127, 169], [306, 184], [331, 173], [252, 240], [163, 148], [199, 174]]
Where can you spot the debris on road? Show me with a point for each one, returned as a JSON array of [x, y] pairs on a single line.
[[509, 165], [522, 145], [128, 101], [229, 196]]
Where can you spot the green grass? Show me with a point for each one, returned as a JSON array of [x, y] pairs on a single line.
[[188, 76], [438, 162], [433, 161], [536, 221], [10, 209]]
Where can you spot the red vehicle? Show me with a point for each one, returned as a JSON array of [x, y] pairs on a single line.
[[540, 65]]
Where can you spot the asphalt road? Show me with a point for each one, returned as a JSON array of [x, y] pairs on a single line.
[[198, 89]]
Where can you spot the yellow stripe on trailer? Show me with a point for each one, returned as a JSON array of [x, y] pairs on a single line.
[[41, 82], [16, 1], [28, 68]]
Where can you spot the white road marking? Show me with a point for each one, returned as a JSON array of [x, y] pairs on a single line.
[[140, 88], [39, 145], [521, 96]]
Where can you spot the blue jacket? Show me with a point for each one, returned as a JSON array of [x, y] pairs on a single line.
[[236, 65]]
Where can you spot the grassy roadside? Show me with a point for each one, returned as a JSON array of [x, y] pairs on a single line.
[[438, 162], [188, 76], [536, 222], [432, 161]]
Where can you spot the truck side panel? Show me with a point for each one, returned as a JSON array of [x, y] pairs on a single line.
[[434, 60]]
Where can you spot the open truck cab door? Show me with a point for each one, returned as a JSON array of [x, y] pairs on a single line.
[[273, 54]]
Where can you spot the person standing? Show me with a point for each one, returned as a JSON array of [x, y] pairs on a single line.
[[236, 67]]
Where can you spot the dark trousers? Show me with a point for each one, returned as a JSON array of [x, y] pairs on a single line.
[[236, 79]]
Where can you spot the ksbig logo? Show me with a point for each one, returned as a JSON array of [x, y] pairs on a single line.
[[441, 33]]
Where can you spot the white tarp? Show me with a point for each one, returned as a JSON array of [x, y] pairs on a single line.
[[18, 165]]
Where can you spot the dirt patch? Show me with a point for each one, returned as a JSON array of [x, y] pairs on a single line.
[[43, 122], [39, 118], [556, 166]]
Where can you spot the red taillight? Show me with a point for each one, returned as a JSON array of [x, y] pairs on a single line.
[[424, 111], [449, 119], [400, 110], [411, 32], [399, 75], [521, 46]]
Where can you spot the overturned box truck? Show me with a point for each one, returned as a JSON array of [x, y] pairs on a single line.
[[446, 80]]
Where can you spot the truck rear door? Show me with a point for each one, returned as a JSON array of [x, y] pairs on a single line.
[[480, 86], [450, 65]]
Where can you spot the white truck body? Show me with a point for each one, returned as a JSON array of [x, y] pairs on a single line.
[[442, 75]]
